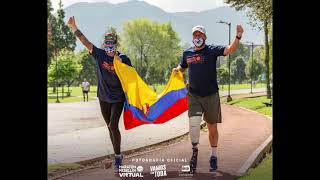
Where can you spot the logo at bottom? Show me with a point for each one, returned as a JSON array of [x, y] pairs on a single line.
[[185, 168]]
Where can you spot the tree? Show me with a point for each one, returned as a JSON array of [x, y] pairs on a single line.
[[49, 20], [65, 39], [260, 14], [258, 63], [238, 70], [66, 70], [270, 54], [223, 74], [152, 47], [258, 69], [88, 71], [50, 23], [61, 36], [242, 51]]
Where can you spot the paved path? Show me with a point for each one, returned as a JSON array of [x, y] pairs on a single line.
[[240, 134]]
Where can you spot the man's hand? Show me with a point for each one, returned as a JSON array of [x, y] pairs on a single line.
[[234, 45], [179, 68], [175, 70], [78, 33], [239, 30], [72, 23]]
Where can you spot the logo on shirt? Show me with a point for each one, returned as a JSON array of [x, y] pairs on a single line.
[[108, 66], [195, 59]]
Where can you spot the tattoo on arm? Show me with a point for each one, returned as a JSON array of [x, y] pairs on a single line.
[[84, 40]]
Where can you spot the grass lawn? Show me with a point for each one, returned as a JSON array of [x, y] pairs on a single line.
[[262, 172], [240, 86], [52, 168], [159, 87], [253, 103], [59, 166], [76, 94]]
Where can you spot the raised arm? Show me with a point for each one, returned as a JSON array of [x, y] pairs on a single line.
[[78, 33], [234, 45]]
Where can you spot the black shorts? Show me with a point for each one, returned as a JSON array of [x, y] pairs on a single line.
[[85, 92]]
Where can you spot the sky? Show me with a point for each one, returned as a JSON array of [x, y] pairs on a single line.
[[166, 5]]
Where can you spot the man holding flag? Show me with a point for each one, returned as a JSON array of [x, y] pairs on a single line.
[[203, 91]]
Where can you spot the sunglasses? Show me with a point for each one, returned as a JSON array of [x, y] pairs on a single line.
[[109, 43]]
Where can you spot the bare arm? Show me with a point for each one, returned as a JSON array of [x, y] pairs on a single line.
[[234, 45], [78, 33]]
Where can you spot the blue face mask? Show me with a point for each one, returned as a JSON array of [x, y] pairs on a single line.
[[198, 42]]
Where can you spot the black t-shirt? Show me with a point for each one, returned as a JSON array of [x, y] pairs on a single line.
[[109, 85], [202, 69]]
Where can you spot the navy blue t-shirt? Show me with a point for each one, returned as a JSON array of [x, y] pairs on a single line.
[[202, 69], [109, 85]]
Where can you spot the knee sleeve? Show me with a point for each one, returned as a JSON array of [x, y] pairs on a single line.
[[194, 129]]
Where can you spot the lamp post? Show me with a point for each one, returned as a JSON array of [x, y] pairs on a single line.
[[229, 24]]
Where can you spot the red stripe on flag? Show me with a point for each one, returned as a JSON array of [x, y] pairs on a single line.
[[175, 110]]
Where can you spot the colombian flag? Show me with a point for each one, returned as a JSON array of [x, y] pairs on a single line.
[[143, 105]]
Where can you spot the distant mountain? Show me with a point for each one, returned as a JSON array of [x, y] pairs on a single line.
[[94, 18]]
